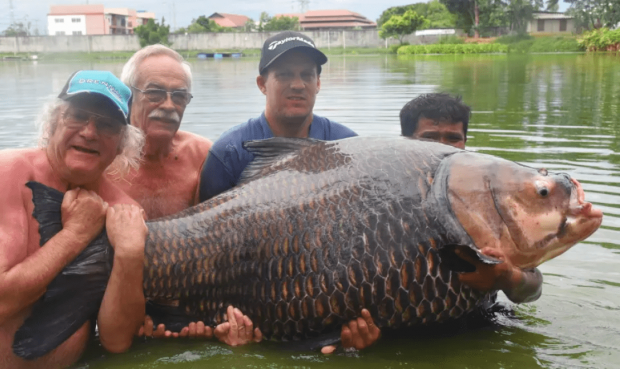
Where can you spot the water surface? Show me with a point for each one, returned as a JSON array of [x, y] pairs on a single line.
[[554, 111]]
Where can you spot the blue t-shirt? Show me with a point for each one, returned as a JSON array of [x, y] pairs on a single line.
[[227, 158]]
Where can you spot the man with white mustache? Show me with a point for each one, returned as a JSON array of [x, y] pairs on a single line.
[[168, 177], [167, 181]]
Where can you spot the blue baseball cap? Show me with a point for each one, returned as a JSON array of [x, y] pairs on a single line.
[[99, 82]]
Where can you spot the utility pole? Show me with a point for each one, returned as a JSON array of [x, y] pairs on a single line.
[[12, 15], [303, 5]]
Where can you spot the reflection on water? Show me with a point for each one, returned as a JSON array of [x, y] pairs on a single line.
[[554, 111]]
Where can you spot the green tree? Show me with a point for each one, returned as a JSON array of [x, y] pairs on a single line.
[[469, 13], [419, 8], [401, 25], [262, 20], [153, 33], [438, 15], [18, 29], [591, 14], [519, 12], [282, 23]]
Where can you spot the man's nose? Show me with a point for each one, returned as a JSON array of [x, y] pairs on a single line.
[[298, 83], [167, 103], [89, 129]]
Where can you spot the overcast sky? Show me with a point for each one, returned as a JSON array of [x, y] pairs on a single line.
[[179, 13]]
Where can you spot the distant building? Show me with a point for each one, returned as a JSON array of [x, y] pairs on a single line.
[[331, 19], [230, 20], [94, 20], [551, 22]]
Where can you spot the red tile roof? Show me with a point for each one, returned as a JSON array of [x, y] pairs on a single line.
[[321, 19], [229, 20]]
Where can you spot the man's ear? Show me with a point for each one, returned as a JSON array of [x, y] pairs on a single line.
[[318, 83], [260, 82]]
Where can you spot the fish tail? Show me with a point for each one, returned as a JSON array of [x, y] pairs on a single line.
[[74, 296]]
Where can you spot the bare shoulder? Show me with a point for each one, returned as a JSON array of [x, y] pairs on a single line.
[[19, 165], [193, 142], [193, 147]]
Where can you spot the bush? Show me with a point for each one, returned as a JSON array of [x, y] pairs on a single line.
[[513, 39], [394, 48], [601, 40], [453, 49], [545, 44], [450, 40]]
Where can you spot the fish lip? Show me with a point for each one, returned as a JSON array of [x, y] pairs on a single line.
[[582, 207]]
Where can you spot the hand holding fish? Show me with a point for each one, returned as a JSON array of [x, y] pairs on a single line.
[[83, 214], [238, 330], [126, 230], [193, 330], [358, 333], [519, 285]]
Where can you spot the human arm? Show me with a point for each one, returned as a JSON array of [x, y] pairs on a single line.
[[122, 308], [358, 333], [24, 278], [519, 285]]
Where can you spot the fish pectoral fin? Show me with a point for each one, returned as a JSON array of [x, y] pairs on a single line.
[[74, 296], [464, 263], [268, 151], [173, 317]]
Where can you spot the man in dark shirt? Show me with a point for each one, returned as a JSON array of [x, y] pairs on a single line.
[[290, 79], [443, 118]]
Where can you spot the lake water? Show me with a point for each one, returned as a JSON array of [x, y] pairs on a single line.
[[559, 111]]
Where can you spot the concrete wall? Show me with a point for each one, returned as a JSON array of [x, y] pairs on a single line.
[[195, 41], [52, 44]]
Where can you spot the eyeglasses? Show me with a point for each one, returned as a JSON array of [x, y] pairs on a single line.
[[77, 118], [157, 95]]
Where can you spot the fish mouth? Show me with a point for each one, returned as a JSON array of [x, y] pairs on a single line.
[[582, 219], [578, 204]]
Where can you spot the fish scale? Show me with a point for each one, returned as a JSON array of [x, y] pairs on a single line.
[[303, 270]]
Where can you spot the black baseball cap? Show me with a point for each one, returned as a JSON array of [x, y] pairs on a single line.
[[277, 45]]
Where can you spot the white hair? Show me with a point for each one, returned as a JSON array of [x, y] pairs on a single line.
[[130, 69], [132, 139]]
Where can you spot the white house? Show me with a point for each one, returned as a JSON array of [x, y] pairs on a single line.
[[551, 22]]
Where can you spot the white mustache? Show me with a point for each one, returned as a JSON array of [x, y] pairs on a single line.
[[164, 114]]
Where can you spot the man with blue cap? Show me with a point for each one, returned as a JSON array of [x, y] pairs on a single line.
[[84, 134]]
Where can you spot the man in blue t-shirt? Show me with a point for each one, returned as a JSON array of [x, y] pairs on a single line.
[[290, 69]]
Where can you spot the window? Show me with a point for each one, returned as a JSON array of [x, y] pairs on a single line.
[[77, 33], [129, 24], [563, 25], [60, 33], [76, 20], [541, 25], [59, 20]]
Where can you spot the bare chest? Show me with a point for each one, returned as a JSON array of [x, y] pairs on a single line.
[[163, 190]]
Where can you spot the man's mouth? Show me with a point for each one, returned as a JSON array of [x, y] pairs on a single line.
[[296, 98], [85, 150]]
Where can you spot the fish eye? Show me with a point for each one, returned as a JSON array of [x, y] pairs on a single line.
[[543, 191], [543, 171]]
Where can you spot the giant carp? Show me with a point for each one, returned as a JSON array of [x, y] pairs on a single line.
[[318, 230]]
